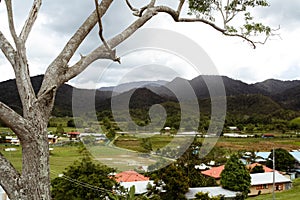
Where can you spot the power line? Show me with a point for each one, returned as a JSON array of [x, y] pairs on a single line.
[[80, 183]]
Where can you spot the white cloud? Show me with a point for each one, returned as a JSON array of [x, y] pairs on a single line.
[[278, 58]]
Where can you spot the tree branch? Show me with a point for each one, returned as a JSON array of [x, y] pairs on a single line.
[[18, 59], [139, 11], [15, 122], [113, 54], [9, 176], [7, 49], [101, 52], [11, 21], [180, 5], [59, 66], [133, 9], [176, 18], [30, 20]]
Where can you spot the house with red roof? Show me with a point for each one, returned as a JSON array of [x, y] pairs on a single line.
[[215, 172], [261, 183], [130, 176], [266, 169], [73, 135], [127, 179]]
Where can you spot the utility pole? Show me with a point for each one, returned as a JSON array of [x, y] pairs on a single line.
[[273, 173]]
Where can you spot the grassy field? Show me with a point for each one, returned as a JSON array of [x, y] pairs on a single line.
[[258, 144], [292, 194], [60, 158], [134, 143], [233, 144]]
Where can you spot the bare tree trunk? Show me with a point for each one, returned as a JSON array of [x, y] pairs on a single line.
[[35, 171]]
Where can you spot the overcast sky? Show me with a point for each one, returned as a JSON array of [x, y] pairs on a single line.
[[278, 58]]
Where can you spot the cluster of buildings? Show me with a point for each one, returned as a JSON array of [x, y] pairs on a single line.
[[54, 138], [261, 183]]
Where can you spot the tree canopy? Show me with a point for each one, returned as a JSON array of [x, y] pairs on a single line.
[[283, 160], [235, 176], [84, 180]]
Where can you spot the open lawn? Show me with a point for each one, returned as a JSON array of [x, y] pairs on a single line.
[[60, 158], [134, 143], [292, 194], [119, 158]]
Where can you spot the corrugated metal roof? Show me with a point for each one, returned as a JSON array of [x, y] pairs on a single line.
[[267, 178], [140, 186], [264, 155], [296, 155], [212, 191]]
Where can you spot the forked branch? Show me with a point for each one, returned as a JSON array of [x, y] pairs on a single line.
[[30, 19], [99, 16]]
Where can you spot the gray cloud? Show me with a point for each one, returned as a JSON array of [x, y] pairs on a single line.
[[59, 19], [283, 13]]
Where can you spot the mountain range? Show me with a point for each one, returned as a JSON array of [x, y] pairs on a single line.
[[264, 97]]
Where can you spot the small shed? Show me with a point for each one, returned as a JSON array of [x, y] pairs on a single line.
[[73, 135]]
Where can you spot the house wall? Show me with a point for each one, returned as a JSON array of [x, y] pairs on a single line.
[[268, 188]]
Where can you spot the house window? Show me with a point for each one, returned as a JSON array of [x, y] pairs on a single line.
[[279, 186], [258, 187], [261, 187]]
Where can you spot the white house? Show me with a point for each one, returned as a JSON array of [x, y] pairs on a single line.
[[140, 186], [262, 183], [212, 192]]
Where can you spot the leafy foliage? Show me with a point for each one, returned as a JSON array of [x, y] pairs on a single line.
[[283, 160], [173, 180], [235, 176], [205, 196], [212, 10], [257, 169], [84, 180]]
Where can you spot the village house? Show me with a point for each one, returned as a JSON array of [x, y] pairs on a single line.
[[12, 140], [73, 135], [262, 183], [215, 172], [127, 179], [212, 192], [296, 155], [262, 157], [52, 139], [130, 176], [98, 136]]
